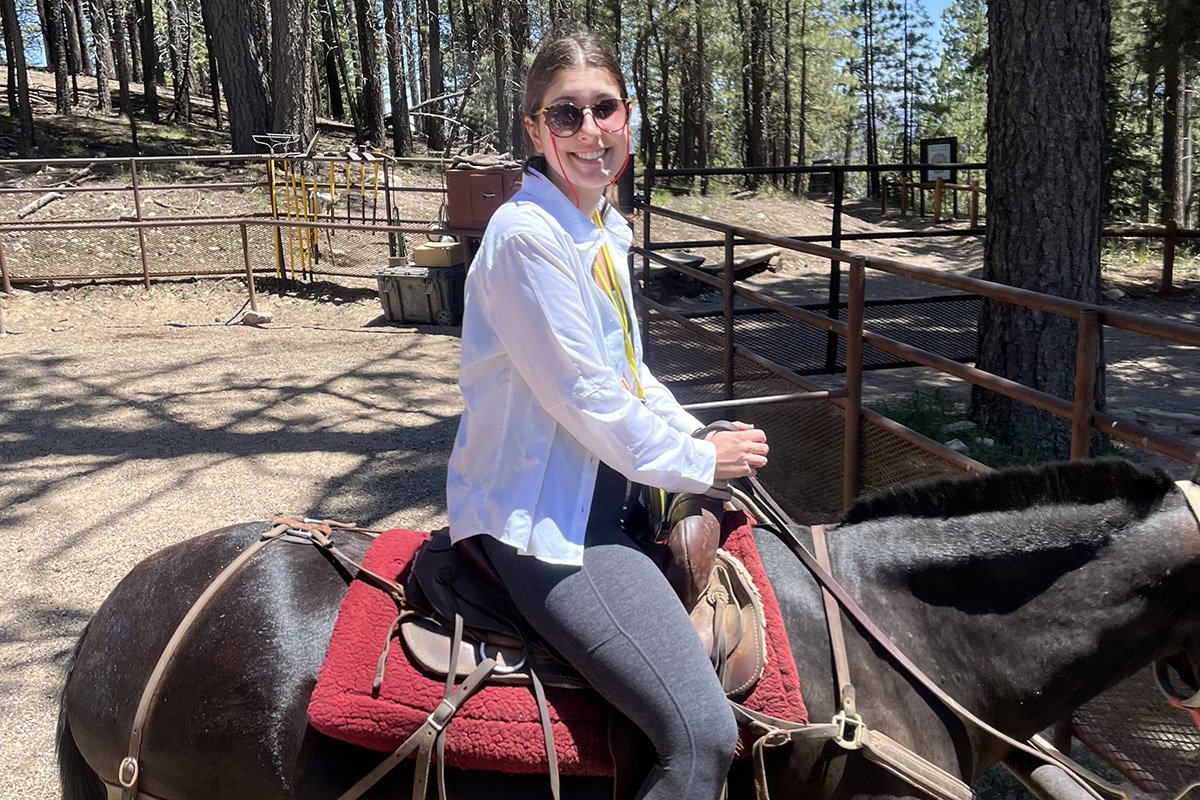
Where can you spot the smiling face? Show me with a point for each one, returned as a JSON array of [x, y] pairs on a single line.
[[589, 160]]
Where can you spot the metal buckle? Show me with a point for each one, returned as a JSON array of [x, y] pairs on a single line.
[[127, 773], [853, 724], [500, 669], [441, 715]]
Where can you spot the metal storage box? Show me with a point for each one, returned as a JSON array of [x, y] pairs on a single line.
[[422, 295]]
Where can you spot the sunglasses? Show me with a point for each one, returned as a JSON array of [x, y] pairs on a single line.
[[565, 119]]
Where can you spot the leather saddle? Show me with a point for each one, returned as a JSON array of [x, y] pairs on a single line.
[[450, 581]]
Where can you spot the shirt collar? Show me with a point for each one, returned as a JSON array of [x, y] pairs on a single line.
[[539, 189]]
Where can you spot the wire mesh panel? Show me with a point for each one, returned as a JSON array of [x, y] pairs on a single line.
[[87, 252], [1157, 748]]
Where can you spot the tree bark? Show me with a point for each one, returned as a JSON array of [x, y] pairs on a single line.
[[179, 44], [105, 69], [1174, 139], [119, 17], [15, 48], [500, 75], [230, 25], [292, 101], [133, 41], [434, 129], [56, 54], [1045, 126], [802, 118], [329, 61], [214, 76], [351, 95], [79, 14], [145, 10], [401, 132], [372, 86], [518, 25]]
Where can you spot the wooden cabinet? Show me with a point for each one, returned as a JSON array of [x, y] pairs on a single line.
[[473, 195]]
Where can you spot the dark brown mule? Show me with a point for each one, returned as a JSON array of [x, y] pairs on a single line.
[[1022, 594]]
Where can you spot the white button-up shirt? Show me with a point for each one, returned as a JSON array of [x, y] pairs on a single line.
[[545, 384]]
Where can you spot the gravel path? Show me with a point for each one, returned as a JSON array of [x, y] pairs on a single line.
[[119, 441]]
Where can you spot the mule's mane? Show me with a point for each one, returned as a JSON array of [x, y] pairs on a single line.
[[1078, 482]]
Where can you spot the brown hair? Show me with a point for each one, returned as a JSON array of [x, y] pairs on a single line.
[[575, 50]]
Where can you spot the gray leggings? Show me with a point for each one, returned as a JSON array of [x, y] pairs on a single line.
[[619, 623]]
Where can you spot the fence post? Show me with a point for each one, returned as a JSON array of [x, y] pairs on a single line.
[[835, 269], [904, 186], [974, 203], [137, 209], [1168, 273], [5, 285], [246, 261], [937, 200], [648, 187], [1087, 351], [852, 428], [727, 315]]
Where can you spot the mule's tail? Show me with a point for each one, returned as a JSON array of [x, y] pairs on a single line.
[[78, 780]]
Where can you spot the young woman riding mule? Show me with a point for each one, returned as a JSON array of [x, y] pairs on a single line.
[[561, 415], [1022, 595]]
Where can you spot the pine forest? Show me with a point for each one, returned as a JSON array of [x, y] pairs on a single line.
[[715, 82]]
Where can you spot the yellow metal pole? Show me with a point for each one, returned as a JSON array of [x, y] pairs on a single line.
[[275, 218], [289, 186]]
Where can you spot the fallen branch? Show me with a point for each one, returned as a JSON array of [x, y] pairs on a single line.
[[44, 200]]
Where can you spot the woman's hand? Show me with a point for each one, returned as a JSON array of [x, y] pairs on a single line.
[[740, 453]]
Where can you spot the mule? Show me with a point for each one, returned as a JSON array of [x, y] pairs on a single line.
[[1023, 594]]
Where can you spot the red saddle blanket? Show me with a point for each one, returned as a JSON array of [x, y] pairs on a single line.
[[498, 728]]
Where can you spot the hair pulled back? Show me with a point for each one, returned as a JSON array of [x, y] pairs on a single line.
[[573, 51]]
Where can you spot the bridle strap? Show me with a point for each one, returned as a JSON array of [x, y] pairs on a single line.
[[129, 771], [837, 636], [782, 528]]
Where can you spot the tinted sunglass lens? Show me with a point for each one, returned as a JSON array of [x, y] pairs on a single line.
[[565, 119]]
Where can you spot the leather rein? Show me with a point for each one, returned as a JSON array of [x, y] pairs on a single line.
[[852, 729]]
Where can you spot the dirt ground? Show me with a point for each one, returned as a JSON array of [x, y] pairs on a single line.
[[131, 419]]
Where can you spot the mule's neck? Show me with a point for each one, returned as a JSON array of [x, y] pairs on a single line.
[[1029, 614]]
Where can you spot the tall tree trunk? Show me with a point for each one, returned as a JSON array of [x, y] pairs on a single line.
[[292, 102], [372, 86], [214, 76], [133, 41], [329, 60], [81, 23], [787, 85], [119, 20], [435, 130], [802, 118], [71, 38], [105, 69], [401, 132], [56, 53], [518, 24], [500, 76], [1174, 140], [409, 30], [145, 10], [179, 45], [230, 25], [1045, 127], [15, 49], [1151, 118], [351, 95]]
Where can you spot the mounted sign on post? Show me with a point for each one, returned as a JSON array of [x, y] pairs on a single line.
[[942, 150]]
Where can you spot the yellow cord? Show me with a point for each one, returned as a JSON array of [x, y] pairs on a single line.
[[612, 289]]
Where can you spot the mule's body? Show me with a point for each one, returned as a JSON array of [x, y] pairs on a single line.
[[1021, 614]]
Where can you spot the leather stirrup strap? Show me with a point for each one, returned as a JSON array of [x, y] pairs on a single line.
[[424, 739], [129, 772], [837, 636]]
